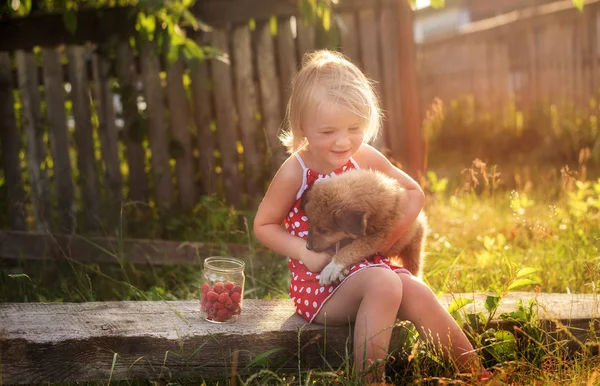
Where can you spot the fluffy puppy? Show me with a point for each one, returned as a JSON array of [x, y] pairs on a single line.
[[360, 208]]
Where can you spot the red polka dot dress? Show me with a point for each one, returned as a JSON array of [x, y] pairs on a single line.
[[305, 290]]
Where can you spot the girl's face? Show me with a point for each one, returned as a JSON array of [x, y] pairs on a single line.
[[334, 134]]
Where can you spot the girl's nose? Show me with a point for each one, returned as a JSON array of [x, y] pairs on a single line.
[[342, 140]]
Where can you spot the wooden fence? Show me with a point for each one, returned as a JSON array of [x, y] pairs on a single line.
[[70, 159], [176, 133], [544, 54]]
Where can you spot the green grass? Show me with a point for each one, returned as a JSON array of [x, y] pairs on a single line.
[[536, 233]]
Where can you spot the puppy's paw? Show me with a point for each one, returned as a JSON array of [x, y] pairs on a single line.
[[332, 273]]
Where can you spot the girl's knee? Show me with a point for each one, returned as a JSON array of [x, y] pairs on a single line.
[[385, 283]]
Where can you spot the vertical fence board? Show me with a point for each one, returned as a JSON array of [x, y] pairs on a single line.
[[182, 126], [226, 128], [269, 93], [202, 115], [305, 37], [247, 109], [349, 36], [132, 139], [84, 140], [36, 149], [107, 132], [9, 150], [391, 102], [594, 32], [369, 47], [59, 137], [157, 130], [287, 59]]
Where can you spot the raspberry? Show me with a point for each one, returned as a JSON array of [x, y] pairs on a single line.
[[218, 287], [219, 305], [212, 296], [235, 297], [229, 304], [222, 312], [237, 288], [229, 285], [205, 288], [223, 297]]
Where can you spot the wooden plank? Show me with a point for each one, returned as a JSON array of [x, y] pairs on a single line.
[[226, 129], [10, 145], [157, 131], [168, 340], [390, 83], [286, 58], [36, 149], [247, 106], [269, 95], [594, 34], [132, 138], [44, 246], [109, 138], [202, 103], [59, 138], [349, 37], [305, 37], [182, 126], [411, 109], [86, 160]]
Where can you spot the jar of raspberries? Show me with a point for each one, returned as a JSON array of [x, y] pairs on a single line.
[[222, 289]]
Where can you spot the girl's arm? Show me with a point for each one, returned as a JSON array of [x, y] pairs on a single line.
[[416, 198], [276, 204]]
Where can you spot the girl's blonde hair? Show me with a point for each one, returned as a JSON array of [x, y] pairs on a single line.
[[329, 74]]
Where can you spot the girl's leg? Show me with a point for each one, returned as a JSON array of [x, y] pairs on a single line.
[[435, 325], [370, 298]]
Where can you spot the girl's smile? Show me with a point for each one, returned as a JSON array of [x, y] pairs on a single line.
[[334, 134]]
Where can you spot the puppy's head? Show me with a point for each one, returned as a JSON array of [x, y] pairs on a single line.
[[330, 218]]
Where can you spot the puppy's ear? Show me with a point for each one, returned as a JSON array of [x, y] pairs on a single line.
[[353, 222]]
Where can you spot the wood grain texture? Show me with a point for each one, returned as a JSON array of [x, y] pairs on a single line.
[[59, 138], [84, 138], [66, 342], [34, 133], [10, 144]]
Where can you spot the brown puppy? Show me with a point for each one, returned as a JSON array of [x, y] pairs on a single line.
[[364, 206]]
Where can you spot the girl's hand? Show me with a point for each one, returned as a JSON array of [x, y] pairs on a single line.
[[314, 261]]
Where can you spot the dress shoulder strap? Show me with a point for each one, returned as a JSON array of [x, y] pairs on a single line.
[[301, 161], [304, 171], [354, 163]]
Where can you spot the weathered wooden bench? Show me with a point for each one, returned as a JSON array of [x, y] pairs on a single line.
[[60, 342]]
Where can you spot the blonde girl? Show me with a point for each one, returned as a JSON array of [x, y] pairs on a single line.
[[332, 114]]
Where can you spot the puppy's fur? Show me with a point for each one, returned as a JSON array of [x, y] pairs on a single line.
[[360, 208]]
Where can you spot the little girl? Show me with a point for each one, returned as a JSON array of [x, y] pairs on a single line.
[[332, 114]]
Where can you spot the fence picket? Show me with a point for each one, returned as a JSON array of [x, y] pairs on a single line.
[[182, 127], [305, 37], [269, 93], [226, 128], [9, 148], [349, 37], [34, 131], [369, 48], [84, 140], [132, 139], [286, 57], [247, 109], [59, 137], [157, 131], [202, 103], [107, 132]]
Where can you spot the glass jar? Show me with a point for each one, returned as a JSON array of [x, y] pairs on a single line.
[[222, 289]]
